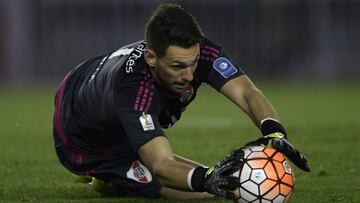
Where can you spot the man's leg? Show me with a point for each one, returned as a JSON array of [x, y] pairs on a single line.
[[109, 189], [114, 177]]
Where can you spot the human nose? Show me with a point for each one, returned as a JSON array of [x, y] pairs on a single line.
[[188, 74]]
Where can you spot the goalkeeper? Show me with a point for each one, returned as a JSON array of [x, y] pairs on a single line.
[[110, 112]]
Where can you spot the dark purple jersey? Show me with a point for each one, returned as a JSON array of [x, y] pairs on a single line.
[[112, 104]]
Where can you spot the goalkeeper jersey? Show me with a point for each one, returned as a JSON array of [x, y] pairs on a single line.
[[111, 104]]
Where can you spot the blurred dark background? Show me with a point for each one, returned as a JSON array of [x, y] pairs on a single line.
[[300, 40]]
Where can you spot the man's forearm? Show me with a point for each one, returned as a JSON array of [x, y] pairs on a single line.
[[174, 174], [249, 98], [259, 107], [158, 157], [187, 161]]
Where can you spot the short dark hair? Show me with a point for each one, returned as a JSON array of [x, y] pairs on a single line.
[[169, 25]]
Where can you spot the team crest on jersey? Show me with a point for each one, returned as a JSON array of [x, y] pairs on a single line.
[[224, 67], [187, 94], [139, 173], [147, 122]]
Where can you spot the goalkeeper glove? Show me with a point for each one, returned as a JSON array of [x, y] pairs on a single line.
[[275, 137], [218, 180]]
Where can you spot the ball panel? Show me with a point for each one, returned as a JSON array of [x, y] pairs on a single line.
[[273, 193], [246, 195], [279, 168], [270, 171], [236, 174], [288, 179], [284, 189], [257, 155], [247, 152], [251, 187], [279, 199], [257, 163], [266, 186], [245, 173], [269, 151], [258, 176], [288, 196], [279, 157], [257, 148]]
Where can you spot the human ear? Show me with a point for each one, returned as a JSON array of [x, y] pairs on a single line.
[[150, 57]]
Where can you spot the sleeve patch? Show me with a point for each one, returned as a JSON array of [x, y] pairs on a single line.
[[147, 122], [224, 67]]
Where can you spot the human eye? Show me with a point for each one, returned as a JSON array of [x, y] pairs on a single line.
[[178, 66]]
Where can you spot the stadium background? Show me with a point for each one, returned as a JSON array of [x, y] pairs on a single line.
[[304, 54], [298, 39]]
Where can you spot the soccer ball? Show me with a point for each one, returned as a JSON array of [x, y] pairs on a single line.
[[266, 176]]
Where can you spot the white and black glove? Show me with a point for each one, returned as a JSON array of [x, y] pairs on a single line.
[[218, 180], [274, 136]]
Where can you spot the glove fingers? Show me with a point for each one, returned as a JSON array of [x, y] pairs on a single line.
[[299, 160], [291, 153], [228, 170], [221, 181], [232, 183], [227, 186], [234, 156], [231, 163], [226, 193], [228, 159]]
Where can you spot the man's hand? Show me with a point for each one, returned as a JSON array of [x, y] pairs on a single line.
[[219, 179], [279, 142]]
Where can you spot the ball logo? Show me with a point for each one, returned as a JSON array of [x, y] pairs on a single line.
[[287, 167], [258, 175], [139, 173]]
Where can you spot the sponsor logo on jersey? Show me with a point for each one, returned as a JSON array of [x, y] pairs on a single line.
[[147, 122], [136, 54], [224, 67], [139, 173], [121, 52]]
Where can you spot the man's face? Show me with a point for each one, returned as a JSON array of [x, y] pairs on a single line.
[[175, 69]]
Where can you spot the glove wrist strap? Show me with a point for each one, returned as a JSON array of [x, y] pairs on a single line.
[[270, 125], [196, 179]]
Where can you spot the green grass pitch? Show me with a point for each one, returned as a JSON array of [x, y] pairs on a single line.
[[322, 120]]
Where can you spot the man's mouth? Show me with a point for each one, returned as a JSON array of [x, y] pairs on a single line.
[[182, 86]]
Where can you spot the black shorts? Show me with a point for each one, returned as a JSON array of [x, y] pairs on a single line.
[[128, 174]]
